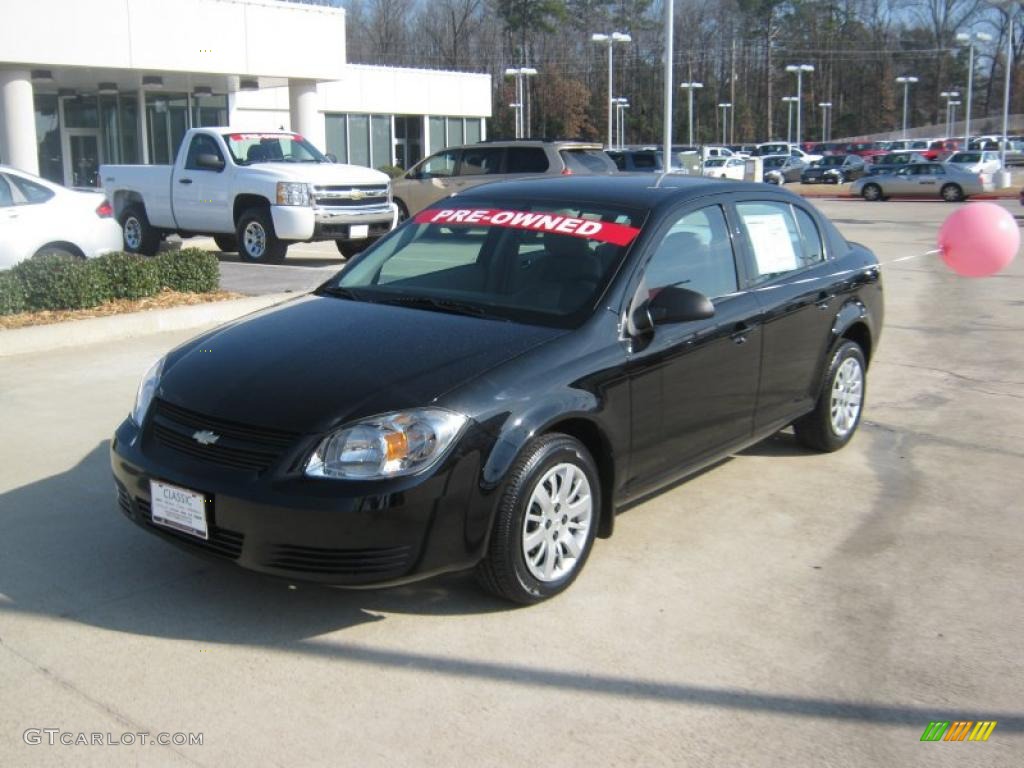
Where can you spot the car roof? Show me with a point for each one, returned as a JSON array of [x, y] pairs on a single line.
[[559, 143], [630, 190]]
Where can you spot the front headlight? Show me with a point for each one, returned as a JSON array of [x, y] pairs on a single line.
[[147, 388], [292, 193], [389, 445]]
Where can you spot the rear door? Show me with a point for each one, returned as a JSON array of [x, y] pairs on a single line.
[[478, 165]]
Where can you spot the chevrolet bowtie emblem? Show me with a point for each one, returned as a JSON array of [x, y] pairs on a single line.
[[205, 437], [356, 194]]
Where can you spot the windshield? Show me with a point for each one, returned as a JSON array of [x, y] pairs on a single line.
[[772, 149], [538, 263], [831, 160], [774, 162], [249, 148]]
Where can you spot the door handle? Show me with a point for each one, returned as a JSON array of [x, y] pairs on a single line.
[[184, 181], [823, 300], [739, 333]]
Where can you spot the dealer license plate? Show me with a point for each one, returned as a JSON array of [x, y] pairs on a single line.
[[178, 508], [358, 231]]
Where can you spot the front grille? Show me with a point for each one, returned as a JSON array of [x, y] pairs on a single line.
[[124, 499], [350, 196], [238, 446], [342, 230], [222, 542], [355, 562]]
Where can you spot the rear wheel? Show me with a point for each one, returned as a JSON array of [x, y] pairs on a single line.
[[952, 193], [836, 415], [57, 250], [545, 523], [872, 192], [226, 243], [139, 236], [256, 239]]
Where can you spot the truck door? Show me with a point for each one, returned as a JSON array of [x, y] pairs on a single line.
[[200, 186]]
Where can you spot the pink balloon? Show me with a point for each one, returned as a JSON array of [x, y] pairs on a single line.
[[979, 239]]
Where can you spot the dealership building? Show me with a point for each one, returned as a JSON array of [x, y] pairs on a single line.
[[120, 81]]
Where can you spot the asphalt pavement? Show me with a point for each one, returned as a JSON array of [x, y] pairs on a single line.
[[783, 608]]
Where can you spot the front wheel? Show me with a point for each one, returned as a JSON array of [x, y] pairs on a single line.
[[350, 248], [836, 415], [545, 523], [403, 211], [257, 242], [871, 192], [952, 193]]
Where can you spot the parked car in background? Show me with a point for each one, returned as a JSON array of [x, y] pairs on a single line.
[[725, 168], [710, 151], [923, 180], [893, 162], [1014, 149], [457, 168], [743, 150], [834, 169], [975, 162], [938, 147], [636, 160], [865, 149], [827, 148], [254, 192], [39, 217], [782, 169], [783, 148]]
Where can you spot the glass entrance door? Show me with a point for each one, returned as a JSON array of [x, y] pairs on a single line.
[[82, 158]]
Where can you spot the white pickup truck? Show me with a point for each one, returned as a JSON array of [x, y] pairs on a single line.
[[255, 193]]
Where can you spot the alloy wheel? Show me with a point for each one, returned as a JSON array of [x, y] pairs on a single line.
[[133, 233], [847, 393], [557, 522], [254, 239]]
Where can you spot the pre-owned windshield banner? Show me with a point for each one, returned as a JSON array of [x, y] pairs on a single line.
[[602, 231]]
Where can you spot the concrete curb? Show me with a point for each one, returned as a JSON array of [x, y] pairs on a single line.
[[74, 333]]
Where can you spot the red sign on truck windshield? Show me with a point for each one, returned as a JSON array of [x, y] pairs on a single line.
[[602, 231]]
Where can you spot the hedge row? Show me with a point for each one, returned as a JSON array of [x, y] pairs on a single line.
[[59, 282]]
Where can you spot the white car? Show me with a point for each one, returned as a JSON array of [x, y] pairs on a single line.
[[724, 168], [784, 148], [39, 217], [975, 161], [711, 151]]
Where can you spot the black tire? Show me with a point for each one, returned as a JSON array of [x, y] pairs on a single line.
[[504, 570], [226, 243], [818, 429], [138, 235], [952, 193], [57, 250], [257, 242], [872, 193], [403, 210], [350, 248]]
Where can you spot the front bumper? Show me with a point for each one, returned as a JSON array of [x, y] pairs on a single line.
[[294, 222], [343, 533]]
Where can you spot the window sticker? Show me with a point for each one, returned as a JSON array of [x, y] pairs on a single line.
[[258, 136], [773, 246], [602, 231]]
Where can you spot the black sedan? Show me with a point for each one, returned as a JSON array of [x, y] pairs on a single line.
[[834, 169], [490, 383], [782, 169]]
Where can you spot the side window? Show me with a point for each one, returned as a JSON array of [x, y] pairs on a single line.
[[777, 240], [441, 164], [619, 159], [32, 192], [696, 253], [481, 161], [6, 198], [526, 160], [201, 145]]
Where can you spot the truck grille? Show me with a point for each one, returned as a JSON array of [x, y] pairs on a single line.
[[350, 196], [238, 446]]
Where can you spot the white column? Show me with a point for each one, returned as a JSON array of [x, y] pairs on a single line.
[[304, 112], [18, 144]]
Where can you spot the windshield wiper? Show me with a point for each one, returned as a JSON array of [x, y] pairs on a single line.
[[439, 305], [339, 292]]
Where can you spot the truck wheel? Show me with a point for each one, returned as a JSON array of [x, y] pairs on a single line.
[[256, 239], [349, 248], [226, 243], [139, 236]]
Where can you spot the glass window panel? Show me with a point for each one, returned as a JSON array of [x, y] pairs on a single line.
[[359, 139], [437, 136], [774, 237], [337, 137], [209, 111], [456, 136], [128, 107], [472, 131], [51, 155], [381, 126], [110, 133], [81, 112], [696, 253]]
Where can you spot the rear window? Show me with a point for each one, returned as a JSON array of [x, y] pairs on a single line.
[[646, 160], [32, 192], [526, 160], [586, 161], [965, 157]]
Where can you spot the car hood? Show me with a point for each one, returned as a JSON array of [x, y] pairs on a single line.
[[320, 173], [315, 362]]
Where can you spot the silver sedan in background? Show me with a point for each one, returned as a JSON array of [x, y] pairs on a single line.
[[923, 180]]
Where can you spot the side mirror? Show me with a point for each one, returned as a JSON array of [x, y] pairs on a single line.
[[332, 157], [208, 161], [672, 304]]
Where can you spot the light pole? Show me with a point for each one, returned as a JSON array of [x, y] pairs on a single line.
[[906, 81], [515, 106], [690, 88], [725, 106], [948, 96], [1007, 7], [952, 115], [666, 137], [610, 39], [799, 69], [519, 73], [790, 100], [969, 40], [621, 105], [825, 133]]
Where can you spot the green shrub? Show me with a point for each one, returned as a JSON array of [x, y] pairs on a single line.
[[391, 170], [130, 276], [60, 282], [190, 270], [12, 293]]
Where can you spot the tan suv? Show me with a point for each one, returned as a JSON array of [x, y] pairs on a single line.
[[457, 168]]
